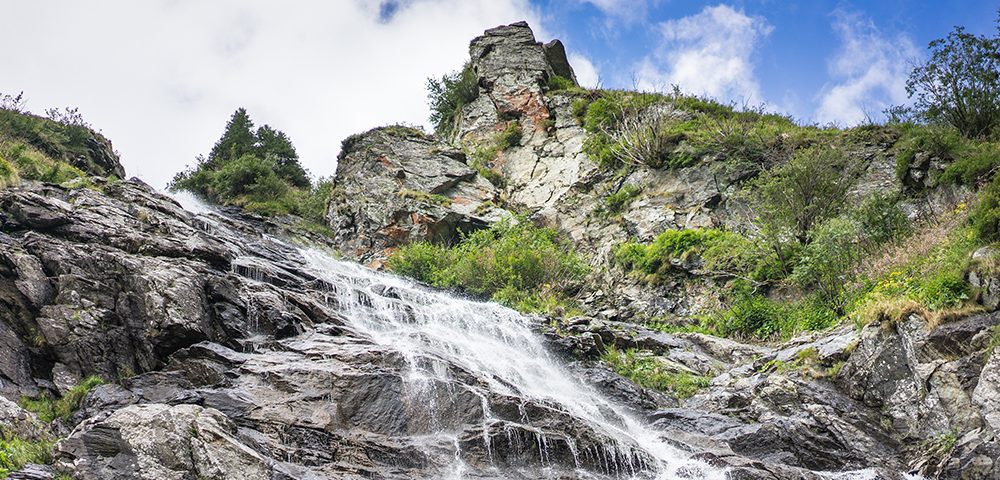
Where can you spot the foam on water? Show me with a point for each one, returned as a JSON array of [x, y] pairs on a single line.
[[433, 330]]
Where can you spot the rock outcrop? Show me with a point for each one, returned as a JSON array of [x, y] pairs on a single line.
[[396, 185]]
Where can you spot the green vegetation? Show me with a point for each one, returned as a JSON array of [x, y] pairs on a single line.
[[483, 157], [615, 202], [16, 452], [431, 198], [985, 216], [651, 373], [925, 275], [42, 149], [721, 252], [960, 85], [61, 140], [48, 409], [258, 170], [446, 97], [561, 83], [513, 262], [676, 130], [20, 161]]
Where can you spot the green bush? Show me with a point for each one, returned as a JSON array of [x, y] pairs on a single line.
[[973, 166], [651, 373], [721, 252], [795, 197], [985, 217], [447, 95], [937, 141], [512, 262], [16, 452], [48, 409], [421, 260]]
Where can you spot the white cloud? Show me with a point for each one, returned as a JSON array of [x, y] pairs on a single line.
[[162, 77], [870, 71], [586, 72], [628, 10], [709, 53]]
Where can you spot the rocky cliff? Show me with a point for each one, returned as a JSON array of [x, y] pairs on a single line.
[[227, 345]]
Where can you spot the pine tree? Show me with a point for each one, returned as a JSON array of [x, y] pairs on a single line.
[[275, 145], [236, 141]]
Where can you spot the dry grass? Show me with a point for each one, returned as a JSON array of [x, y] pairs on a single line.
[[929, 233]]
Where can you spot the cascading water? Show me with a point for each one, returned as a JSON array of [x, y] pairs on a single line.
[[439, 334]]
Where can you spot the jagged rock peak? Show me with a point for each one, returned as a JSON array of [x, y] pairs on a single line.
[[512, 49]]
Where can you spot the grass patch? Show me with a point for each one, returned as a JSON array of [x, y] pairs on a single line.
[[930, 282], [721, 252], [49, 409], [614, 203], [16, 452], [676, 130], [513, 262], [558, 82], [60, 142], [651, 373], [424, 197], [21, 161]]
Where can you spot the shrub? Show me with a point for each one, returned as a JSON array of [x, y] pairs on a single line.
[[938, 141], [421, 261], [651, 373], [985, 217], [960, 84], [792, 199], [666, 247], [510, 137], [722, 253], [512, 262], [447, 95], [48, 409], [976, 165], [484, 155]]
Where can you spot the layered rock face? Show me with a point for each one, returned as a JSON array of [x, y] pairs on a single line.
[[229, 353], [395, 185]]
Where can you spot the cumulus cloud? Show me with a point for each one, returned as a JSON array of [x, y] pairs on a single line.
[[161, 78], [586, 72], [708, 53], [870, 71]]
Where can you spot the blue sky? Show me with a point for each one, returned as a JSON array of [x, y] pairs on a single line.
[[161, 77], [801, 50]]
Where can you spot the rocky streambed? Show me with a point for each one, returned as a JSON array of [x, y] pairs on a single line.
[[228, 352]]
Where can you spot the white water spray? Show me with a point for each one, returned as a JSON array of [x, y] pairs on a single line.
[[433, 330]]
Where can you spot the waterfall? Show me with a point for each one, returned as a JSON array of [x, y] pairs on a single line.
[[440, 336]]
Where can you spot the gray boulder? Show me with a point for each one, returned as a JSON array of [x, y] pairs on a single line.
[[395, 186]]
